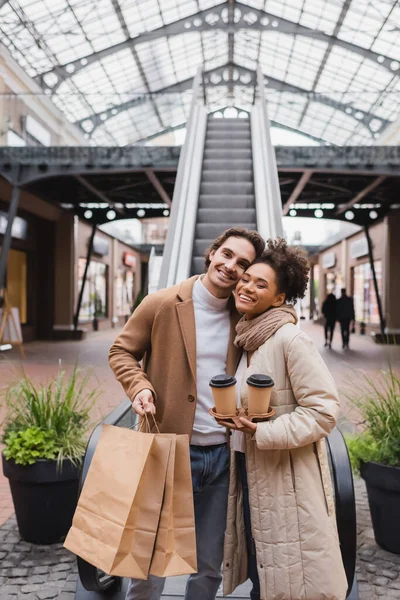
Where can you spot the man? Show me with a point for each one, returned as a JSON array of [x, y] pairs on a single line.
[[345, 315], [185, 336]]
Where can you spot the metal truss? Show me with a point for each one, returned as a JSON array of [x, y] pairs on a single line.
[[225, 72], [215, 19]]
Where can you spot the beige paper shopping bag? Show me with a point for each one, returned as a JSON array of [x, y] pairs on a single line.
[[116, 520], [175, 548]]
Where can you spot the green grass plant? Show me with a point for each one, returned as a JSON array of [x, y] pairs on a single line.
[[377, 400], [49, 421]]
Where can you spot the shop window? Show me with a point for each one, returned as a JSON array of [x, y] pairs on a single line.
[[365, 304], [94, 301], [333, 283], [124, 293], [16, 282]]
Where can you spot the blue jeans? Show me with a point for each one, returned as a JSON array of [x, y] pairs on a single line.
[[210, 476], [252, 572]]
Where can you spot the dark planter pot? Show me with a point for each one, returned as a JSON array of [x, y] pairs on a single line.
[[44, 498], [383, 488]]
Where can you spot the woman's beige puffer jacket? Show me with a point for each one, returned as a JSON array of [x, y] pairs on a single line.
[[290, 488]]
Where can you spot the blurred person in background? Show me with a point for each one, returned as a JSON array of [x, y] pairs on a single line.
[[329, 312]]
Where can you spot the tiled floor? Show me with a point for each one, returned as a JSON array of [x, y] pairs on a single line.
[[42, 359]]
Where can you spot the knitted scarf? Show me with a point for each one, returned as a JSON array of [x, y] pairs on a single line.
[[251, 333]]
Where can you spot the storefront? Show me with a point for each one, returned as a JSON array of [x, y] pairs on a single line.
[[112, 281], [347, 265], [28, 283]]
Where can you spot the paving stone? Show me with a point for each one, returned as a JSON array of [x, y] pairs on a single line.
[[7, 547], [60, 575], [3, 555], [380, 581], [40, 570], [26, 596], [69, 586], [68, 558], [62, 567], [371, 568], [390, 593], [31, 588], [390, 574], [72, 577], [11, 590], [394, 585], [38, 578], [19, 572], [47, 592], [66, 596]]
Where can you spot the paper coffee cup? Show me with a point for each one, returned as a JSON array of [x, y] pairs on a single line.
[[224, 391], [260, 388]]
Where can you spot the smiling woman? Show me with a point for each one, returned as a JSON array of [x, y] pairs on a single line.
[[284, 476]]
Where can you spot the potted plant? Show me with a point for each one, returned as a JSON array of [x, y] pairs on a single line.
[[375, 452], [45, 433]]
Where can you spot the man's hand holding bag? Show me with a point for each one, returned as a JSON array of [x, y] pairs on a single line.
[[117, 517]]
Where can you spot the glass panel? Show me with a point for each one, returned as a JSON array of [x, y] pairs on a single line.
[[16, 283], [94, 301], [365, 303]]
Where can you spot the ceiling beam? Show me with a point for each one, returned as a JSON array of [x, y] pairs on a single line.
[[152, 177], [212, 19], [361, 195], [91, 122], [301, 184], [93, 190], [322, 65]]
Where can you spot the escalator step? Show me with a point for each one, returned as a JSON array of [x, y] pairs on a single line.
[[225, 215], [227, 188], [225, 201], [213, 230], [232, 176], [227, 164], [225, 143], [227, 153]]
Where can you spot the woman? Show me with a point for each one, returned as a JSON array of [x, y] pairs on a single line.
[[329, 312], [294, 553]]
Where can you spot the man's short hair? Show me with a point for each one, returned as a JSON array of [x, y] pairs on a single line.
[[239, 232]]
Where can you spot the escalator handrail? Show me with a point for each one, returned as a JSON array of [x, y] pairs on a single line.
[[344, 501], [90, 575], [177, 221], [266, 181]]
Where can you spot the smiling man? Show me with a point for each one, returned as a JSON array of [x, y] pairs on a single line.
[[184, 335]]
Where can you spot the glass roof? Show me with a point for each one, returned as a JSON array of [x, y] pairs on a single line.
[[122, 69]]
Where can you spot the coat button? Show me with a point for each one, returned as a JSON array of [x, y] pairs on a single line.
[[191, 398], [261, 566], [227, 564]]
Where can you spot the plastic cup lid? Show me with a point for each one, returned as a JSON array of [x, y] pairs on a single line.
[[260, 381], [222, 381]]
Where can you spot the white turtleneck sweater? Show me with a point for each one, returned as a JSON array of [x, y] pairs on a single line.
[[212, 338]]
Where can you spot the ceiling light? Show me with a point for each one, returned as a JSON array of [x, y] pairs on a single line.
[[166, 213], [318, 213], [88, 214], [111, 214], [293, 212], [141, 212], [373, 214], [349, 215]]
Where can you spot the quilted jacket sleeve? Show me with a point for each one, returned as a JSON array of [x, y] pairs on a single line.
[[316, 395], [129, 348]]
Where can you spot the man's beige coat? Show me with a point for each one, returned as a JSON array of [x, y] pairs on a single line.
[[162, 332], [290, 488]]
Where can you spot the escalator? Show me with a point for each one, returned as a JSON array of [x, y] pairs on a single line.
[[226, 196]]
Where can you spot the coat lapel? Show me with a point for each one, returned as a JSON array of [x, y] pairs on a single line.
[[185, 312]]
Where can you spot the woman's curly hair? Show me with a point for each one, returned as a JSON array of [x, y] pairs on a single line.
[[290, 265]]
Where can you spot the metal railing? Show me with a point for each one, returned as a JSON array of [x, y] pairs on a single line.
[[179, 243], [266, 182]]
